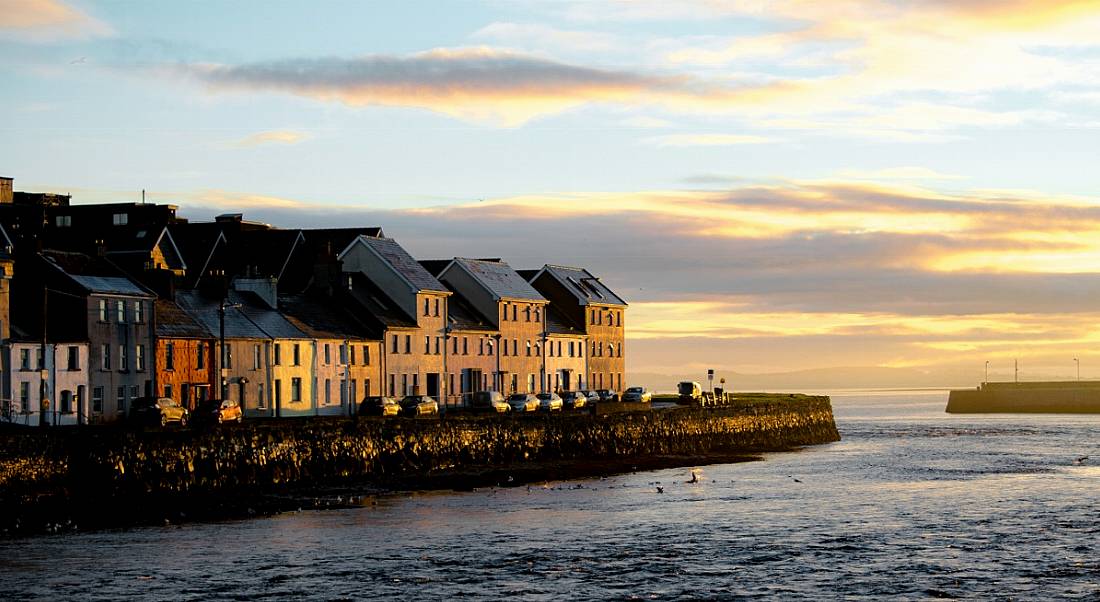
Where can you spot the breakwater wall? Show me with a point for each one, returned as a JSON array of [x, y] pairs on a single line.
[[85, 471], [1054, 397]]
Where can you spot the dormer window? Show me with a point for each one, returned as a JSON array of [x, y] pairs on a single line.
[[120, 219], [63, 221]]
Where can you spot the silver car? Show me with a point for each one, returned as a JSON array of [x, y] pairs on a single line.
[[638, 394], [574, 400], [550, 402], [523, 402]]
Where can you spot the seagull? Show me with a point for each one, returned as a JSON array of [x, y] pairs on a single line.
[[660, 490], [79, 61], [694, 478], [1081, 460]]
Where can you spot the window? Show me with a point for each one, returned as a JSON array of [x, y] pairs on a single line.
[[41, 359], [404, 384], [490, 346], [437, 345], [278, 389], [611, 349], [454, 346], [528, 348], [481, 347], [504, 316], [102, 310], [200, 357], [515, 312], [261, 400], [515, 346], [600, 348], [256, 356], [228, 356], [295, 389], [139, 312], [105, 357], [427, 344], [620, 349], [120, 400], [366, 355], [408, 343], [169, 356], [515, 383], [427, 307], [25, 396], [593, 352], [504, 348], [278, 354], [328, 354], [63, 221], [571, 349], [328, 391], [120, 219], [527, 313], [123, 359], [530, 383], [24, 359], [139, 358], [344, 354], [74, 358], [538, 350], [297, 354], [97, 399], [436, 312], [392, 389], [538, 314], [120, 310], [465, 346], [394, 350], [168, 390]]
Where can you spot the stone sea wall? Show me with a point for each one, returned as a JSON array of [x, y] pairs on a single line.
[[97, 465], [1069, 397]]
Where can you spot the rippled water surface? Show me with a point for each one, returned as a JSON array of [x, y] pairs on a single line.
[[913, 503]]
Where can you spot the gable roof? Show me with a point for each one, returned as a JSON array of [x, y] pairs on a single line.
[[204, 311], [499, 279], [173, 321], [322, 317], [376, 304], [403, 264], [558, 323], [582, 285], [93, 274], [462, 315]]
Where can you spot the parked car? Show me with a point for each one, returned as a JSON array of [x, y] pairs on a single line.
[[607, 395], [523, 402], [593, 397], [377, 405], [574, 400], [158, 410], [489, 401], [690, 392], [638, 394], [218, 411], [419, 405], [550, 402]]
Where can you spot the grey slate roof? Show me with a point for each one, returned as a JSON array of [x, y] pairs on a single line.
[[322, 317], [109, 285], [269, 320], [370, 299], [253, 320], [558, 323], [404, 264], [499, 279], [584, 285], [174, 322], [461, 315]]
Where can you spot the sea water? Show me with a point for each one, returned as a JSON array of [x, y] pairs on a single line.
[[913, 503]]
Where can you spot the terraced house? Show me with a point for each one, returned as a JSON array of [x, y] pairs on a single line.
[[413, 308], [586, 301], [517, 310]]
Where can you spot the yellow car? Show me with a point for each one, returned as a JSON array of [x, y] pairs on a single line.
[[158, 410]]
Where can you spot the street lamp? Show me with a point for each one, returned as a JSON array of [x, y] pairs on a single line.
[[986, 371], [224, 305], [1078, 362]]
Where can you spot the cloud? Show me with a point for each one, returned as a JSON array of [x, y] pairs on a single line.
[[271, 137], [706, 140], [478, 84], [47, 20]]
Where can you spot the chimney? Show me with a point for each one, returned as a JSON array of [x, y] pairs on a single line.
[[265, 288], [5, 191]]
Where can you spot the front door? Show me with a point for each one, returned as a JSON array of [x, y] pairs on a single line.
[[565, 381], [431, 381]]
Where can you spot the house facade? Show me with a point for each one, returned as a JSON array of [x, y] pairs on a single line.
[[65, 366], [586, 301], [413, 349], [565, 352], [495, 290], [185, 359]]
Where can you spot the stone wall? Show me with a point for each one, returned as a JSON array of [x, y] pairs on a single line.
[[269, 456]]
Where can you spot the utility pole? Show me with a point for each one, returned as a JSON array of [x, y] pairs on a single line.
[[986, 371], [1078, 362], [222, 370], [43, 373]]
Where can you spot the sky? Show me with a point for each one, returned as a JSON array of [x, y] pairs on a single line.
[[773, 185]]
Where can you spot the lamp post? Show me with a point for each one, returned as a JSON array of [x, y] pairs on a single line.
[[986, 371], [1078, 362], [222, 370]]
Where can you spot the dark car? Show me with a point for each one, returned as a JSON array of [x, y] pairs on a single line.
[[574, 400], [218, 411], [419, 405], [489, 401], [638, 394], [379, 406], [158, 410], [607, 395]]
